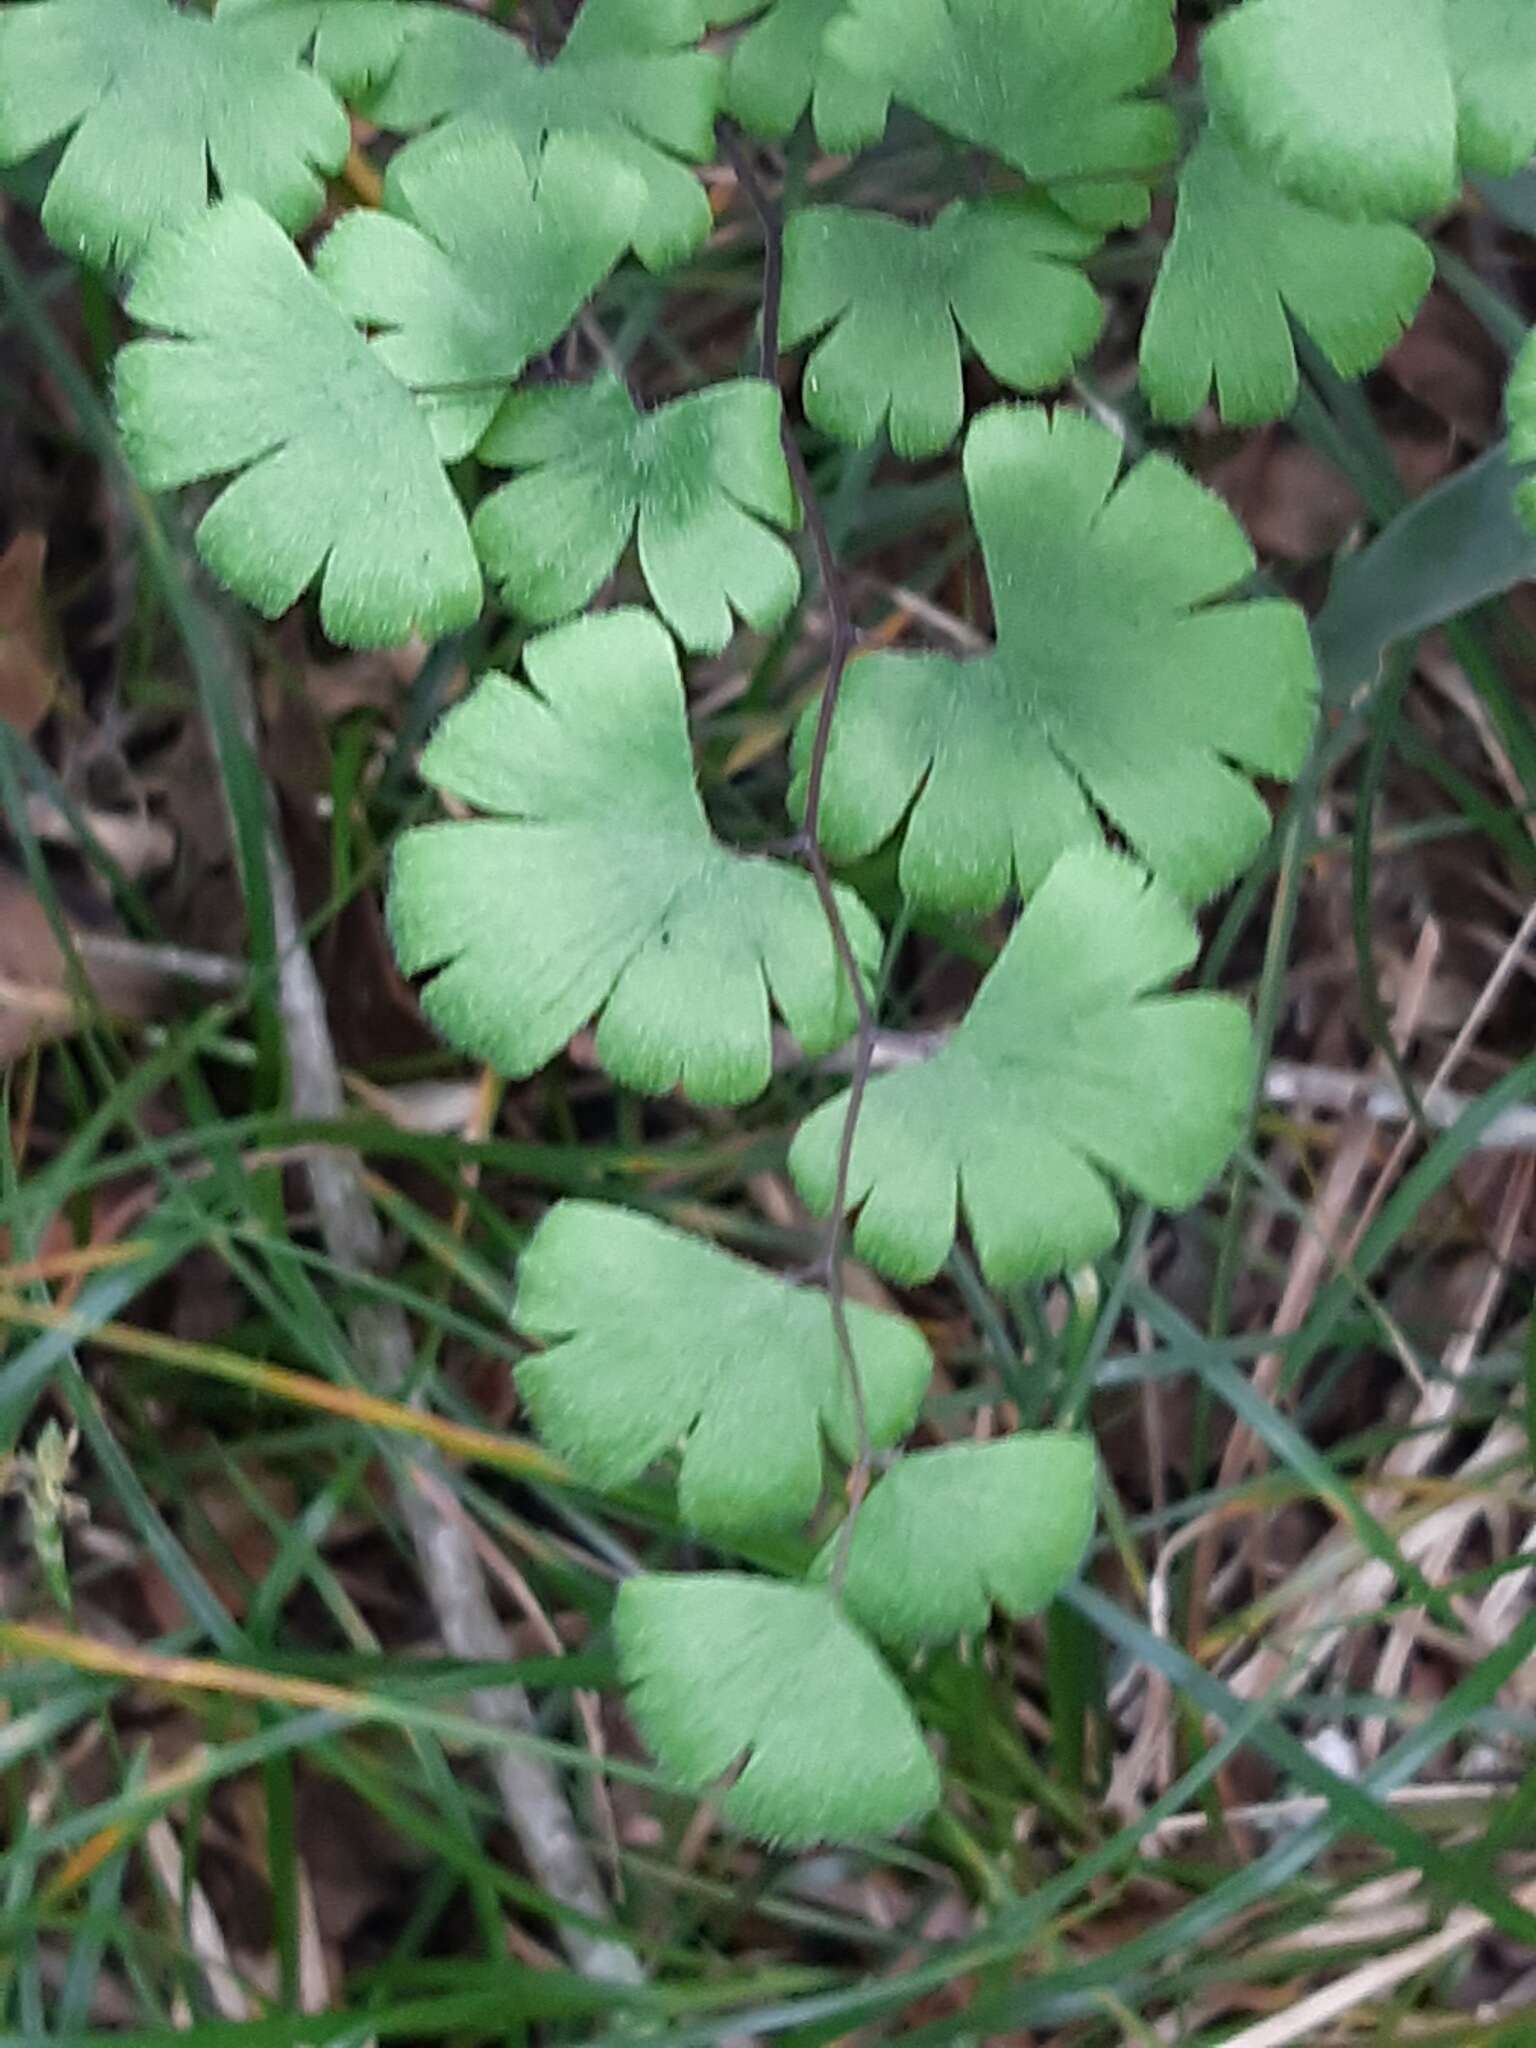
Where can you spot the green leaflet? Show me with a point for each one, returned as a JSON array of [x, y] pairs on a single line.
[[948, 1533], [627, 82], [1244, 261], [1052, 90], [893, 296], [702, 479], [1066, 1068], [352, 43], [1350, 108], [719, 1667], [781, 66], [1493, 61], [479, 265], [481, 261], [1118, 684], [1522, 426], [154, 101], [597, 884], [1362, 109], [659, 1339], [338, 479]]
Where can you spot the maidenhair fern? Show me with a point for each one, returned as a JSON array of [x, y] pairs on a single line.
[[258, 374], [947, 1534], [722, 1667], [1017, 1119], [596, 885], [701, 484], [886, 297], [1135, 698], [385, 425], [629, 84], [147, 101], [1247, 259], [483, 255], [657, 1339], [782, 67], [1062, 95], [1375, 109]]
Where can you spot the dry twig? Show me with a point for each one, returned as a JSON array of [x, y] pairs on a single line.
[[531, 1796]]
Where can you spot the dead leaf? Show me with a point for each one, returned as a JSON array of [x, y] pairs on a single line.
[[36, 1000], [28, 674], [1296, 507], [139, 842], [376, 681], [1449, 363]]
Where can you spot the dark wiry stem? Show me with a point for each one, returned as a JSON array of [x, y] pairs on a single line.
[[843, 640]]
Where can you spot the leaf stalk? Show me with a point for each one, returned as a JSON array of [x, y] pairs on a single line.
[[843, 642]]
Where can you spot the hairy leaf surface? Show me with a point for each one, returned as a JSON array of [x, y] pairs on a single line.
[[1067, 1071], [701, 481], [482, 260], [1118, 683], [156, 103], [781, 66], [658, 1339], [263, 377], [1493, 63], [596, 885], [1362, 109], [947, 1534], [894, 296], [1052, 90], [627, 81], [1245, 260], [721, 1667]]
